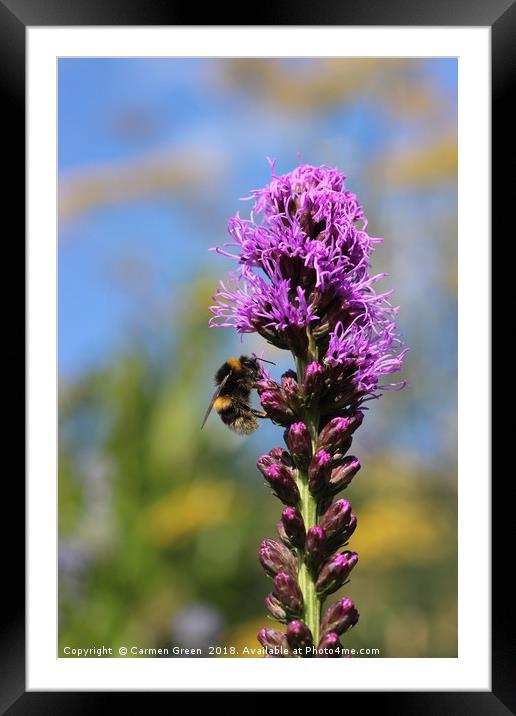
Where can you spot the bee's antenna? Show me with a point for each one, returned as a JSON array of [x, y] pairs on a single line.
[[264, 360]]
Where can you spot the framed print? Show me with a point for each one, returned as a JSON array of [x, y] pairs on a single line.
[[241, 237]]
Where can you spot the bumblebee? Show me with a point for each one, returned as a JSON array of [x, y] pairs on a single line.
[[235, 379]]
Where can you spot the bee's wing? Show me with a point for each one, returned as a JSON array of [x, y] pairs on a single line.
[[214, 398]]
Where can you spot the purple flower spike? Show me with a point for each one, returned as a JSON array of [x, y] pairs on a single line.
[[316, 548], [340, 617], [319, 472], [302, 281], [337, 431], [339, 523], [274, 642], [287, 591], [335, 572], [275, 557], [342, 475], [304, 258], [299, 637], [293, 526], [300, 444], [329, 646]]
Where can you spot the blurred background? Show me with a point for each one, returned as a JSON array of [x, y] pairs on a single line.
[[159, 523]]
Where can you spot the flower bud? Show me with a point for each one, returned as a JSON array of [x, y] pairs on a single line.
[[299, 443], [289, 381], [291, 391], [283, 483], [276, 456], [275, 557], [343, 393], [280, 529], [293, 526], [276, 608], [335, 572], [287, 591], [276, 407], [329, 646], [316, 548], [313, 380], [340, 617], [335, 432], [264, 462], [319, 472], [267, 384], [299, 635], [339, 523], [342, 475], [274, 642], [339, 455], [279, 454]]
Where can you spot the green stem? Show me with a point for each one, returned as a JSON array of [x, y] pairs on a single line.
[[308, 509]]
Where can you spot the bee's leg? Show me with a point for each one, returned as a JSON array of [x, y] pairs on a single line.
[[259, 413], [256, 413], [252, 411]]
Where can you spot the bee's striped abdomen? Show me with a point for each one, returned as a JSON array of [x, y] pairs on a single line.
[[222, 404], [232, 415]]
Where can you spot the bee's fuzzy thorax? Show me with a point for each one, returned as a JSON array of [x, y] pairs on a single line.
[[235, 364]]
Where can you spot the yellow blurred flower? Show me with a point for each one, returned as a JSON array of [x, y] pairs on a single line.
[[187, 510], [400, 530], [421, 166]]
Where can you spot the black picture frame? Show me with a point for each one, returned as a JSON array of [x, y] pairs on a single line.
[[15, 17]]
